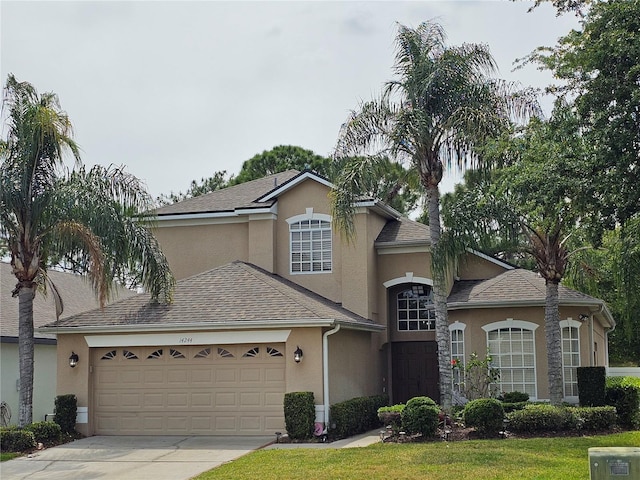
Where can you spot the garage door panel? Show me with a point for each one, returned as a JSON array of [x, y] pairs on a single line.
[[203, 392]]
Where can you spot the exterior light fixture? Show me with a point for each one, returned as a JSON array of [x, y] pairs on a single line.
[[73, 359], [583, 317], [297, 355]]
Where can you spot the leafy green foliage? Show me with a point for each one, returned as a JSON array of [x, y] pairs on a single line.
[[420, 415], [486, 415], [515, 397], [591, 386], [542, 418], [391, 416], [595, 419], [66, 409], [47, 433], [479, 377], [299, 414], [356, 415], [624, 395], [14, 439]]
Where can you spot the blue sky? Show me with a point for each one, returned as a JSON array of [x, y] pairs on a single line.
[[178, 90]]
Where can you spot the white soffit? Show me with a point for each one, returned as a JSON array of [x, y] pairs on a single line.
[[188, 338]]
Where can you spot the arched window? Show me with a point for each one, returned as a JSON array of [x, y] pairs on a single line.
[[311, 246], [570, 356], [415, 308], [512, 348]]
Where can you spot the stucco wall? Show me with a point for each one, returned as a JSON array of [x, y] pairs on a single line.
[[198, 248], [44, 384], [355, 365], [308, 194], [473, 267], [476, 338], [76, 380]]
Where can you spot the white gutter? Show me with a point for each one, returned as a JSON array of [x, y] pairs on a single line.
[[325, 374]]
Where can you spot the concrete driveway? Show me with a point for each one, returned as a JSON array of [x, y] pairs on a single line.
[[136, 458]]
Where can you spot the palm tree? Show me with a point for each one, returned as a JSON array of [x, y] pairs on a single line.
[[88, 219], [441, 105]]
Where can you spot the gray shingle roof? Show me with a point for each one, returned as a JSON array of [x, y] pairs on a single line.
[[511, 286], [403, 231], [224, 296], [76, 292], [229, 199]]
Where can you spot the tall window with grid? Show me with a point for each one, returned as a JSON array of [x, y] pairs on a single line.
[[311, 246], [457, 358], [415, 308], [570, 360], [513, 352]]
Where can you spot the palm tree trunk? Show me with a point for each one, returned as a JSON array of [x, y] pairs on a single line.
[[554, 343], [443, 338], [25, 352]]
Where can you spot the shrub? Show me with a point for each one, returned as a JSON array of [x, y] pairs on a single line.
[[66, 409], [512, 407], [47, 433], [14, 439], [623, 393], [515, 397], [591, 386], [356, 415], [420, 415], [392, 416], [479, 377], [595, 418], [542, 418], [299, 414], [486, 415]]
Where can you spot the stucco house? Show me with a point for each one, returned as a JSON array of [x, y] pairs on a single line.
[[78, 297], [271, 299]]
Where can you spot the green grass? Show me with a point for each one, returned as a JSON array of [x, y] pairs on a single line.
[[8, 456], [522, 459]]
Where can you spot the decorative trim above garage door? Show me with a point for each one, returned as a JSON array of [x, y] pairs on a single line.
[[188, 338]]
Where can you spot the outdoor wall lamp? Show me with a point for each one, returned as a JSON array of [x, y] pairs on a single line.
[[583, 317], [297, 355], [73, 359]]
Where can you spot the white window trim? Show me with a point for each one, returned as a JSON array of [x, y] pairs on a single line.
[[524, 325], [454, 327], [569, 323], [309, 215], [408, 278]]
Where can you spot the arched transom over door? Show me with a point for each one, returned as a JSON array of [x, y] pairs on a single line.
[[189, 390]]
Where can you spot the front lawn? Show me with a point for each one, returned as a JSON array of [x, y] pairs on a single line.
[[8, 456], [563, 458]]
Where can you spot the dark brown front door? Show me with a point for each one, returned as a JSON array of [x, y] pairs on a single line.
[[415, 371]]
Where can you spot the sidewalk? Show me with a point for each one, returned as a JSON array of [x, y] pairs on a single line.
[[362, 440]]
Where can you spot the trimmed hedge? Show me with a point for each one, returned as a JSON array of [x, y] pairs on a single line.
[[591, 386], [299, 414], [512, 407], [14, 439], [542, 418], [486, 415], [66, 409], [420, 415], [355, 416], [391, 416], [47, 433], [515, 397], [595, 418], [623, 393]]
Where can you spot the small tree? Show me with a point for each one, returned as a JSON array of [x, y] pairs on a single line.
[[479, 377]]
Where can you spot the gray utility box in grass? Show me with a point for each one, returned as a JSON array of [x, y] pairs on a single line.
[[615, 463]]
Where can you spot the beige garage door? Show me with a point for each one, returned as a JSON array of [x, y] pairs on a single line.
[[196, 390]]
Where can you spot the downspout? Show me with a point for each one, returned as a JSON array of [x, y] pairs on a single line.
[[325, 373]]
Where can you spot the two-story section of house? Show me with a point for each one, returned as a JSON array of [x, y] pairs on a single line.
[[272, 299]]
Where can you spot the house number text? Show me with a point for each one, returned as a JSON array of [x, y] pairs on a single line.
[[185, 340]]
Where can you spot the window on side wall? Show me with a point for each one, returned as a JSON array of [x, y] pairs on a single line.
[[570, 356], [512, 349], [310, 244], [457, 355]]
